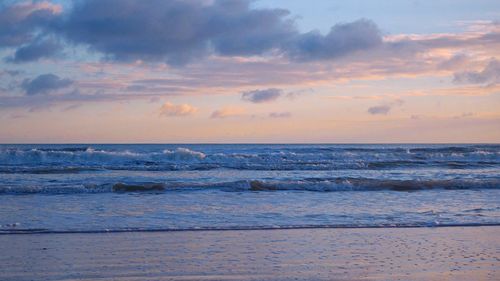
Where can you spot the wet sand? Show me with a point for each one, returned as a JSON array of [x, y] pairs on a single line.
[[443, 253]]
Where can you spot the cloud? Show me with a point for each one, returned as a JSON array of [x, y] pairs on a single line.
[[489, 75], [35, 51], [384, 108], [179, 32], [343, 39], [454, 62], [464, 115], [379, 109], [10, 72], [295, 94], [17, 116], [169, 109], [228, 112], [287, 60], [280, 115], [44, 84], [19, 21], [242, 31], [174, 31], [262, 96], [71, 107]]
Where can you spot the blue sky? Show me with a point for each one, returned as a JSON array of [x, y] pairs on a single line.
[[393, 16]]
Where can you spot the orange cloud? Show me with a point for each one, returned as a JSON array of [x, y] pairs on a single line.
[[169, 109], [228, 112]]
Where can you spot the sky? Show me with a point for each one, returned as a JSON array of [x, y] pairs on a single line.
[[265, 71]]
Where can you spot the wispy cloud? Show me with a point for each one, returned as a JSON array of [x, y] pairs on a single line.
[[280, 115], [465, 115], [71, 107], [262, 96], [379, 109], [384, 109], [228, 112], [489, 75]]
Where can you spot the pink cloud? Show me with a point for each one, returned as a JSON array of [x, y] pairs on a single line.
[[228, 112], [170, 109]]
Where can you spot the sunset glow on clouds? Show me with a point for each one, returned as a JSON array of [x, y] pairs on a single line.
[[248, 71], [169, 109]]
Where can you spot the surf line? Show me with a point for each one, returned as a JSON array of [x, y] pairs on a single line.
[[240, 228]]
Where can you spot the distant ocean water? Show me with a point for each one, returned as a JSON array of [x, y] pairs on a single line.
[[93, 188]]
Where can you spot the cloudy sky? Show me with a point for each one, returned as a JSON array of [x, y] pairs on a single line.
[[249, 71]]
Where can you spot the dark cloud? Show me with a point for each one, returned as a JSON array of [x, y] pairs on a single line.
[[280, 114], [384, 108], [35, 51], [147, 87], [239, 30], [181, 31], [13, 72], [10, 72], [175, 31], [379, 109], [19, 21], [342, 39], [146, 30], [489, 75], [44, 84], [261, 96]]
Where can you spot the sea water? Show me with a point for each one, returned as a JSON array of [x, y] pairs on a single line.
[[170, 187]]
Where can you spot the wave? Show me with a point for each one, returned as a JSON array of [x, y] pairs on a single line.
[[80, 159], [183, 154], [368, 184], [10, 231], [65, 149], [308, 184], [383, 165], [46, 170]]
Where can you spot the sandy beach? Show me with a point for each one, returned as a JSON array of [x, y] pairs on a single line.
[[442, 253]]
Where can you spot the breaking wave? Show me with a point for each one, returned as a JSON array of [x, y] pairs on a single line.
[[310, 184], [80, 159]]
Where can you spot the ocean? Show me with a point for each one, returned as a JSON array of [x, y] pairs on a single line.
[[176, 187]]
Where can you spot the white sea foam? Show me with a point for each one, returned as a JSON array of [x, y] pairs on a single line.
[[183, 154], [37, 159]]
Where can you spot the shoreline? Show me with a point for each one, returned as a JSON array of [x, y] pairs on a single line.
[[21, 231], [424, 253]]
